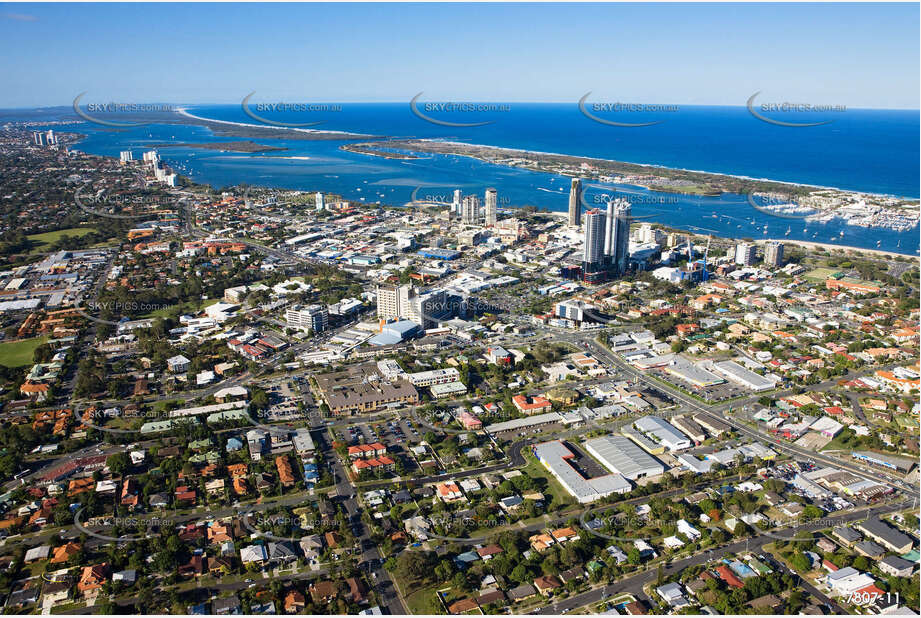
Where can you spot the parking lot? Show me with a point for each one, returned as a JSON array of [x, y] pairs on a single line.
[[391, 433]]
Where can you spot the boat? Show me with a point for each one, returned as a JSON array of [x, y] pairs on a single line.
[[787, 233]]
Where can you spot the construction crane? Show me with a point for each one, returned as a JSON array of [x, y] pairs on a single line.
[[706, 255]]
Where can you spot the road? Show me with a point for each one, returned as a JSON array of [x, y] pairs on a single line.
[[718, 411], [634, 584]]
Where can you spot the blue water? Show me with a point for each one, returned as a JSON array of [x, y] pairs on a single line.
[[866, 150]]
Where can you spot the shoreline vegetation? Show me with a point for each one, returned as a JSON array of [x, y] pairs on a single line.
[[371, 148], [225, 128], [237, 146]]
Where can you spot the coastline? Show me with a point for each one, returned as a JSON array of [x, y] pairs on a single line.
[[650, 167], [292, 132], [563, 216], [830, 247]]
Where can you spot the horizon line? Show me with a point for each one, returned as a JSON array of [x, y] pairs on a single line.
[[444, 100]]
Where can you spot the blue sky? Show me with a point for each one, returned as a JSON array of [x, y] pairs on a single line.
[[859, 55]]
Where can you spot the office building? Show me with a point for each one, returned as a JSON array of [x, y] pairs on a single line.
[[313, 317], [745, 254], [575, 202], [404, 302], [492, 198], [471, 210], [773, 253]]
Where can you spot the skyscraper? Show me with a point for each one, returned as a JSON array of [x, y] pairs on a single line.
[[617, 236], [471, 210], [575, 202], [593, 253], [492, 199], [745, 254], [773, 253], [458, 196], [320, 202]]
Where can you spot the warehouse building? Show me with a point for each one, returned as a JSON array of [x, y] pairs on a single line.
[[554, 456], [738, 374], [621, 456], [520, 426], [663, 432], [900, 464], [685, 370]]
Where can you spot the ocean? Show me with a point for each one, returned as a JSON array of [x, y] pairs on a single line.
[[875, 151]]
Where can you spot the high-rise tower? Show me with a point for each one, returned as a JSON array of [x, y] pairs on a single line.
[[492, 199], [575, 202]]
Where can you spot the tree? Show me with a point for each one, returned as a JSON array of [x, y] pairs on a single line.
[[800, 562], [118, 463]]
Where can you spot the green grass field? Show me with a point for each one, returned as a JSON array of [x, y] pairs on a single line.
[[535, 469], [48, 238], [424, 601], [19, 353]]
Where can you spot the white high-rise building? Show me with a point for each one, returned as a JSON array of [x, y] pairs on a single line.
[[39, 138], [457, 207], [320, 202], [773, 253], [404, 302], [152, 157], [492, 203], [388, 301], [593, 252], [745, 254], [648, 234], [126, 156], [51, 138], [471, 210], [312, 317], [617, 244]]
